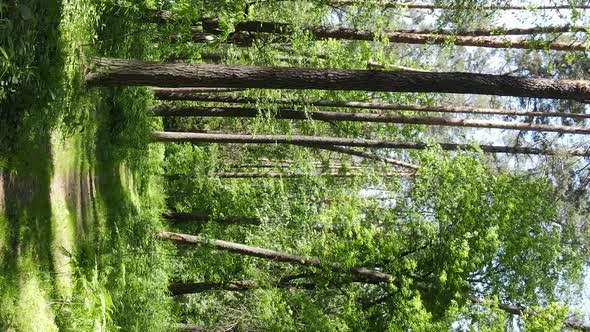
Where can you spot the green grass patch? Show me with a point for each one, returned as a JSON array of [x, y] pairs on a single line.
[[82, 194]]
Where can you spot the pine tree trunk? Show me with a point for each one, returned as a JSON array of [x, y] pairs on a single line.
[[501, 32], [197, 91], [431, 6], [212, 26], [243, 112], [178, 94], [322, 142], [201, 217], [270, 175], [365, 155], [324, 32], [119, 72]]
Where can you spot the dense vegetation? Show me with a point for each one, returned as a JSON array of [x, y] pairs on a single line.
[[355, 194]]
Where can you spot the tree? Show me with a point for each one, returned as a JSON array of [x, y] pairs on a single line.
[[179, 94], [479, 38], [358, 274], [119, 72], [257, 175], [322, 142], [430, 6], [212, 26], [244, 112]]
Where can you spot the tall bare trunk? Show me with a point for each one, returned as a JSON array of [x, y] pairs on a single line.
[[197, 91], [365, 155], [236, 112], [212, 26], [321, 142], [258, 175], [476, 38], [432, 6], [120, 72], [178, 94]]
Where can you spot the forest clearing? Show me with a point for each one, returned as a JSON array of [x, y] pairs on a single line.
[[294, 165]]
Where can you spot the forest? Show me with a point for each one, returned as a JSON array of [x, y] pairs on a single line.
[[294, 165]]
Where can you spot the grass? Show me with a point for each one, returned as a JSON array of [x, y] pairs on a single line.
[[81, 200]]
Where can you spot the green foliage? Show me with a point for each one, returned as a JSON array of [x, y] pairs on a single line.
[[549, 318], [457, 230], [497, 230]]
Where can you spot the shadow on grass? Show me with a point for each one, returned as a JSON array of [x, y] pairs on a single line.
[[28, 227], [134, 262], [115, 197], [32, 74]]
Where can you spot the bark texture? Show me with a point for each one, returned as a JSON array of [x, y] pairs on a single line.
[[120, 72], [249, 112], [322, 142], [178, 94], [202, 217], [502, 32], [193, 91], [212, 26], [366, 155], [258, 175], [358, 273], [325, 32], [430, 6]]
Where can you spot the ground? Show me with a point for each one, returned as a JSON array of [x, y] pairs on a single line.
[[80, 198]]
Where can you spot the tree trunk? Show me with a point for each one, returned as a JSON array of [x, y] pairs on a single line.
[[202, 217], [430, 6], [120, 72], [176, 94], [285, 164], [243, 112], [322, 142], [358, 273], [212, 26], [290, 59], [501, 31], [324, 32], [258, 175], [365, 155], [197, 91], [183, 288]]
